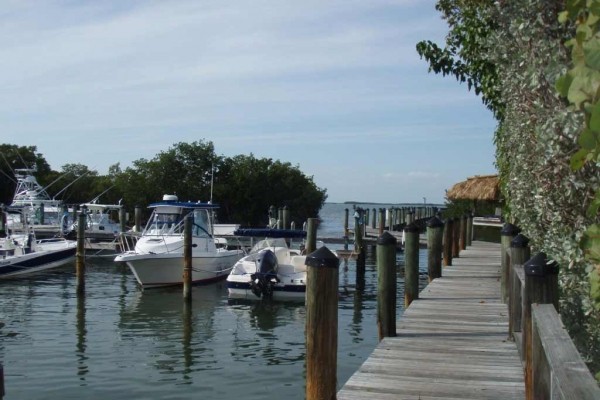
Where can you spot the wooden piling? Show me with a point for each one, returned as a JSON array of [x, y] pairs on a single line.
[[80, 255], [448, 235], [519, 254], [411, 264], [507, 234], [374, 219], [470, 229], [381, 221], [286, 217], [2, 221], [386, 285], [138, 218], [311, 235], [359, 249], [42, 220], [456, 238], [541, 286], [346, 213], [122, 219], [463, 232], [187, 259], [435, 233], [280, 218], [321, 324]]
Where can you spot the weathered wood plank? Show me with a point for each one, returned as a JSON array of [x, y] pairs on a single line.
[[452, 341]]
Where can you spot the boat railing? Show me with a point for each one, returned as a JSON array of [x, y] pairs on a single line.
[[127, 240]]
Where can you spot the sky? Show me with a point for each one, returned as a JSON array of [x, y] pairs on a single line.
[[334, 87]]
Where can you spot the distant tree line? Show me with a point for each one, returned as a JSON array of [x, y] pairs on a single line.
[[244, 186]]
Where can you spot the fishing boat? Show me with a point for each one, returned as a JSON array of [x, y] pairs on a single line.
[[272, 270], [21, 253], [157, 258]]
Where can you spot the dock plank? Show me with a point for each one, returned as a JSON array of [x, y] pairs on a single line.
[[451, 343]]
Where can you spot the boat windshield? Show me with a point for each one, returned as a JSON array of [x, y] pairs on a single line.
[[270, 242], [162, 223]]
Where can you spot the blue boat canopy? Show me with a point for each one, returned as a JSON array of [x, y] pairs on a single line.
[[267, 232]]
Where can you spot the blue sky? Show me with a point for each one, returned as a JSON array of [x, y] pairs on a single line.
[[335, 87]]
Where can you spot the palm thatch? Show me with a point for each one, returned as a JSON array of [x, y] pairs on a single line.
[[478, 187]]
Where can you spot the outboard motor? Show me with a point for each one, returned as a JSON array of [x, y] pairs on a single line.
[[265, 278]]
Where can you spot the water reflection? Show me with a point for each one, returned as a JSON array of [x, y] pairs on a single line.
[[82, 367]]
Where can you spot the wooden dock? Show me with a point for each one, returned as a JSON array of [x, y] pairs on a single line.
[[451, 343]]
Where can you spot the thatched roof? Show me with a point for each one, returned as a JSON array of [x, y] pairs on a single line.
[[478, 187]]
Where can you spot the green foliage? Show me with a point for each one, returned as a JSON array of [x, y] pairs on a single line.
[[581, 86], [464, 54], [14, 157], [540, 136]]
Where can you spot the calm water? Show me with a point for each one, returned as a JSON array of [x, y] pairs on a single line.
[[121, 343]]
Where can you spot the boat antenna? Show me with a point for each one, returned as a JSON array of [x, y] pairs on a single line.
[[212, 180], [65, 188], [95, 199], [9, 168]]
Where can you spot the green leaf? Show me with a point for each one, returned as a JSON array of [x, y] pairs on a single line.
[[590, 243], [591, 53], [563, 17], [578, 90], [563, 83], [587, 139], [578, 159], [595, 117]]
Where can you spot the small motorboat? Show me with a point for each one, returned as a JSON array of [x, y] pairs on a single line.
[[157, 259], [22, 254], [272, 270]]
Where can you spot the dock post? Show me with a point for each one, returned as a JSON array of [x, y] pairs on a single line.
[[448, 235], [386, 285], [286, 217], [311, 235], [374, 219], [381, 221], [280, 218], [80, 255], [359, 249], [435, 231], [390, 219], [321, 324], [410, 217], [519, 254], [456, 238], [411, 264], [346, 212], [367, 217], [138, 218], [507, 234], [122, 219], [187, 259], [463, 232], [470, 229], [541, 286]]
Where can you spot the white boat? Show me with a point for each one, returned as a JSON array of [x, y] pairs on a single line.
[[271, 271], [157, 259], [101, 220], [41, 211], [23, 254]]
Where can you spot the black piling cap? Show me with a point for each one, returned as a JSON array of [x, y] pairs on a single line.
[[387, 239], [539, 265], [509, 230], [411, 228], [519, 242], [322, 258], [435, 222]]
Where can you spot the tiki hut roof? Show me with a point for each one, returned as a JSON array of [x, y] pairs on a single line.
[[478, 187]]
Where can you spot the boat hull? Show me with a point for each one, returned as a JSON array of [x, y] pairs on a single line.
[[15, 266], [158, 270], [242, 290]]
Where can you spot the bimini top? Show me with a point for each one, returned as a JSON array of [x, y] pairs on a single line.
[[171, 200]]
